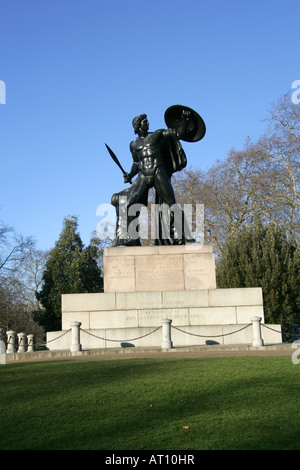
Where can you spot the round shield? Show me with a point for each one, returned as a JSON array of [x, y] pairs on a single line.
[[174, 118]]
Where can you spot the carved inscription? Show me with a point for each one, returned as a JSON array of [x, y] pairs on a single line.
[[199, 271], [119, 274], [154, 317], [159, 272]]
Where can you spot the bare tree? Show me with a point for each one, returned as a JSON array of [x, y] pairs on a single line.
[[12, 248], [21, 269], [15, 313], [262, 180], [30, 270], [281, 148]]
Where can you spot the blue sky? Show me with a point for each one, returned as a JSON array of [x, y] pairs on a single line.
[[78, 71]]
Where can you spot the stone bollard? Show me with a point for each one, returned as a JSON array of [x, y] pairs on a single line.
[[256, 331], [30, 343], [21, 342], [166, 334], [11, 341], [75, 345]]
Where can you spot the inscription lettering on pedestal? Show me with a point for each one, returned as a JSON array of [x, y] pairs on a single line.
[[199, 271], [171, 270], [159, 272], [119, 274], [154, 317]]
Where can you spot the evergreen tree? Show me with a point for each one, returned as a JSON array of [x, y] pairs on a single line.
[[264, 256], [70, 269]]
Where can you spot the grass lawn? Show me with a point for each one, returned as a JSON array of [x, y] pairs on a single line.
[[156, 404]]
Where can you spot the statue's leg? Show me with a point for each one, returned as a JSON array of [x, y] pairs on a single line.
[[127, 199], [178, 226]]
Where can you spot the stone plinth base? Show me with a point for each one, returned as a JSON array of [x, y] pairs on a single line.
[[145, 285], [209, 316], [147, 309], [159, 268]]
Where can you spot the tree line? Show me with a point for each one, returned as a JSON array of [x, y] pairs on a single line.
[[251, 217], [21, 272], [252, 212], [32, 280], [261, 180]]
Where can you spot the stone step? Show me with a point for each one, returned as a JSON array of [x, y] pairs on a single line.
[[281, 348]]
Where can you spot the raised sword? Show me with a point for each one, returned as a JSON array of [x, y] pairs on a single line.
[[115, 159]]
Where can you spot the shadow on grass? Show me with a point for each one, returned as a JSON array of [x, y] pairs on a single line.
[[152, 404]]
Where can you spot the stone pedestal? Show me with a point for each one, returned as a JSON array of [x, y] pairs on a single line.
[[11, 341], [21, 342], [257, 338], [205, 307], [143, 286], [159, 268], [30, 347], [166, 334], [75, 345]]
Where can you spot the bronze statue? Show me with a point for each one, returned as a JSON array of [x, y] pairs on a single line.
[[156, 156]]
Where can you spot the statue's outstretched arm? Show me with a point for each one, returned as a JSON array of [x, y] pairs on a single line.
[[134, 168]]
